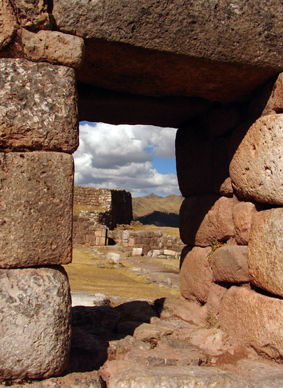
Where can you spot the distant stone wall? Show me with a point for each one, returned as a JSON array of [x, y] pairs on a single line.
[[91, 196], [104, 208], [147, 240]]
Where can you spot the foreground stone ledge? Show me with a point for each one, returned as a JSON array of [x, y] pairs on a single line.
[[253, 320], [265, 251], [38, 106], [256, 169], [122, 374], [35, 313], [36, 191]]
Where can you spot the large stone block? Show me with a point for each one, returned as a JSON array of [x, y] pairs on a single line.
[[38, 106], [253, 320], [53, 46], [196, 275], [221, 51], [256, 169], [265, 250], [7, 23], [35, 313], [230, 264], [206, 218], [36, 208]]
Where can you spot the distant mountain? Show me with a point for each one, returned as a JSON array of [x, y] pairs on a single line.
[[156, 210]]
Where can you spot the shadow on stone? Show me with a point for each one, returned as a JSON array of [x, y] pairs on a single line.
[[94, 327]]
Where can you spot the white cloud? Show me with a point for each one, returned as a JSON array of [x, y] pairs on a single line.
[[118, 156]]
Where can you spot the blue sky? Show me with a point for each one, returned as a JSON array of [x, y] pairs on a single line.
[[137, 158]]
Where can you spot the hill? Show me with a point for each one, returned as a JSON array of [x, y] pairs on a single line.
[[156, 210]]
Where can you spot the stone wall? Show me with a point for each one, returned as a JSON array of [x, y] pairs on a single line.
[[98, 210], [230, 171], [210, 69], [148, 241]]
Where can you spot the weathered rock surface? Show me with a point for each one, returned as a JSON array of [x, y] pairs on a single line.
[[171, 377], [36, 208], [36, 112], [206, 218], [274, 104], [256, 169], [53, 46], [265, 251], [254, 320], [7, 23], [197, 31], [35, 307], [243, 213], [196, 275], [186, 310], [230, 264], [33, 14], [215, 295]]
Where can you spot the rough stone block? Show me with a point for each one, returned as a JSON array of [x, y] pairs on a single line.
[[254, 320], [36, 191], [35, 314], [256, 169], [265, 250], [214, 298], [7, 23], [38, 106], [196, 275], [206, 218], [230, 264], [32, 14], [243, 213], [54, 47]]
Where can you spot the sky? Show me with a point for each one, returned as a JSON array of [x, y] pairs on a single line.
[[136, 158]]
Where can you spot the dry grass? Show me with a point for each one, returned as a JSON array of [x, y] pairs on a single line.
[[87, 277]]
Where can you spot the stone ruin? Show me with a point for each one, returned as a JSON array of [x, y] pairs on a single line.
[[210, 68], [103, 216], [98, 210]]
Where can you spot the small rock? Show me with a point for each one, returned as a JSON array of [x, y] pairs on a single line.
[[137, 252], [183, 309], [113, 257]]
